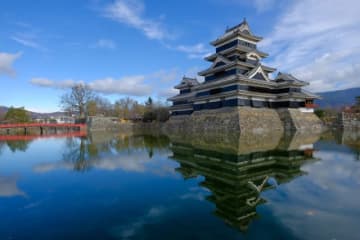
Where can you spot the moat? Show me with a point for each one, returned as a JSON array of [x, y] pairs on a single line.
[[136, 186]]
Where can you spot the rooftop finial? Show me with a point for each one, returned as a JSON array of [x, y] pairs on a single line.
[[244, 20]]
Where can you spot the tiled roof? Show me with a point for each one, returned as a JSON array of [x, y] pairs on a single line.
[[288, 78], [187, 82]]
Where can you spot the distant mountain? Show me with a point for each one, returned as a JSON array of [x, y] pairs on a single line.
[[338, 99], [46, 115], [4, 109]]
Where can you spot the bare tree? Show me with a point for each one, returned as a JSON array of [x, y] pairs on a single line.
[[77, 99]]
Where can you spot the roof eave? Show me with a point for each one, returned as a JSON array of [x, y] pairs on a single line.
[[235, 34]]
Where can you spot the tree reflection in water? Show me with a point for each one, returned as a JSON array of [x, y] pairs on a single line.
[[2, 144], [20, 145], [85, 152], [77, 153]]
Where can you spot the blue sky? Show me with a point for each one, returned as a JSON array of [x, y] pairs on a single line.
[[142, 48]]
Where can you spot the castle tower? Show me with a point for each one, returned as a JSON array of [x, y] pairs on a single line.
[[237, 77]]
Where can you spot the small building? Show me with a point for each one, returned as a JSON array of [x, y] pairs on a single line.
[[237, 77], [64, 119]]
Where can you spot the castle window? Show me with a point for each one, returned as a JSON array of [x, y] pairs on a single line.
[[215, 91], [219, 64], [182, 91]]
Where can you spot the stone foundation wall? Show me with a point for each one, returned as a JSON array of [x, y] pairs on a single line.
[[229, 121], [295, 120], [259, 120], [349, 120], [107, 123], [234, 120]]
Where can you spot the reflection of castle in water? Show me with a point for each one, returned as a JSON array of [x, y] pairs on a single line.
[[236, 180]]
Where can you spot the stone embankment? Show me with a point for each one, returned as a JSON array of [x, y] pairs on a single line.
[[231, 121], [244, 119], [108, 124], [349, 120], [293, 119], [224, 121]]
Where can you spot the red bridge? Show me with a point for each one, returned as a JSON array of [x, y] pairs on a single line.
[[48, 127], [27, 125], [32, 137]]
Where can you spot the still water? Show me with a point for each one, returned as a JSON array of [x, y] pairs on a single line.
[[115, 186]]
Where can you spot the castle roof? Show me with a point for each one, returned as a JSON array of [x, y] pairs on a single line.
[[286, 77], [242, 27], [187, 82], [241, 30], [239, 48]]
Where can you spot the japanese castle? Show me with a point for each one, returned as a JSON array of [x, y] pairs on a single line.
[[237, 77]]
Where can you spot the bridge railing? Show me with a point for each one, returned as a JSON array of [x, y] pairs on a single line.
[[24, 125]]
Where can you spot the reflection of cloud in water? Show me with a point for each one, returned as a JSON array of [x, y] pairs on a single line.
[[337, 171], [33, 204], [324, 198], [136, 161], [195, 193], [8, 187], [129, 230]]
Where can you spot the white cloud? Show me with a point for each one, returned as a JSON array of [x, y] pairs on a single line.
[[193, 73], [132, 86], [165, 76], [25, 42], [130, 12], [194, 51], [263, 5], [138, 85], [316, 40], [28, 39], [104, 43], [6, 62], [167, 92], [44, 82]]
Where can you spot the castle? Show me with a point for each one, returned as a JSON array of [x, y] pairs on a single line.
[[238, 80]]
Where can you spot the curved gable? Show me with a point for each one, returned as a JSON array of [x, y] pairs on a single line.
[[253, 56], [258, 73], [220, 61]]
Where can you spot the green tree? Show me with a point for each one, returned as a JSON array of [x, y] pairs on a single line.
[[91, 108], [17, 115], [123, 107], [162, 114], [149, 114], [320, 113], [149, 102], [128, 108], [2, 116], [103, 106], [158, 111]]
